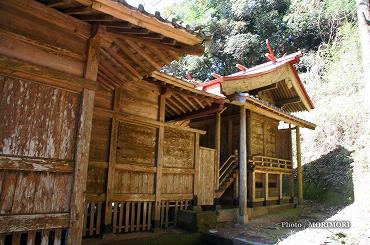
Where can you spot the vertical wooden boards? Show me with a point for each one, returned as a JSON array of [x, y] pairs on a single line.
[[136, 144], [140, 99], [178, 149], [299, 166], [283, 144], [42, 122], [206, 180], [38, 124], [263, 135]]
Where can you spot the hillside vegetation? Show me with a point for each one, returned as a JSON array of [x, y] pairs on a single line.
[[327, 32]]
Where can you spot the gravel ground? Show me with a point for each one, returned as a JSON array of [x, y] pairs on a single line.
[[272, 229]]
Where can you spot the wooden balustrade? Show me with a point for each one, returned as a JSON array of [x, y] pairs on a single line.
[[271, 162], [227, 167]]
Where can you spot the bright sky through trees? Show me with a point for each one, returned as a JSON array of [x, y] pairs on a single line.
[[152, 5]]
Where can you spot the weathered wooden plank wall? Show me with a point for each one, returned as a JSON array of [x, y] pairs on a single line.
[[134, 159], [206, 185], [37, 34], [37, 142], [42, 75]]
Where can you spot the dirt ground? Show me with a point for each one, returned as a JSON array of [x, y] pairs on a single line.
[[271, 229]]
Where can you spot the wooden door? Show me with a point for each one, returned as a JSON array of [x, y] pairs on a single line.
[[207, 176]]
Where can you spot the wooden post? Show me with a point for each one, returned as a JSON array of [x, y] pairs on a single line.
[[197, 168], [83, 144], [280, 187], [252, 187], [266, 188], [291, 179], [243, 215], [158, 184], [112, 162], [218, 148], [299, 167]]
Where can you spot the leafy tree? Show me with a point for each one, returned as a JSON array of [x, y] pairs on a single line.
[[237, 30]]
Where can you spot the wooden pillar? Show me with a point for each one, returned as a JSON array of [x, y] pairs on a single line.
[[266, 188], [243, 216], [252, 187], [299, 167], [112, 162], [291, 179], [218, 148], [280, 187], [197, 168], [158, 183], [78, 205]]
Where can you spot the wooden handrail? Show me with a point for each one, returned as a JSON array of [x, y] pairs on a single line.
[[227, 167], [271, 162]]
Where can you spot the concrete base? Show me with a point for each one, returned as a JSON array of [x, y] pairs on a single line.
[[193, 221]]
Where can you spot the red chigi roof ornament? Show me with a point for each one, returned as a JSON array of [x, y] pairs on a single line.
[[270, 72], [270, 55]]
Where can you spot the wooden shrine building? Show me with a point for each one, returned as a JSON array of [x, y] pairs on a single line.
[[95, 140]]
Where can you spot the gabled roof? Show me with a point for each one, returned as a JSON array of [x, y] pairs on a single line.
[[280, 72], [252, 103]]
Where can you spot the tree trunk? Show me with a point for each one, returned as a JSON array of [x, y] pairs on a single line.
[[363, 14]]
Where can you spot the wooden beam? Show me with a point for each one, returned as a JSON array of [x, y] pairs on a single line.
[[150, 42], [188, 101], [288, 101], [57, 3], [133, 16], [36, 164], [198, 114], [20, 69], [142, 53], [83, 143], [139, 120], [299, 167], [27, 222], [243, 215], [174, 104], [262, 89]]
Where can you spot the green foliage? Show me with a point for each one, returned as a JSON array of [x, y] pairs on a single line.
[[237, 30]]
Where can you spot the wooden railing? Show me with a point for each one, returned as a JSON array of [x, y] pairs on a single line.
[[271, 162], [227, 167]]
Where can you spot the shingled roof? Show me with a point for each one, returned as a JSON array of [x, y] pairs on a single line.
[[119, 17]]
